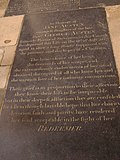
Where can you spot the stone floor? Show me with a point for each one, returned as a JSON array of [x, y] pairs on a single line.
[[3, 4], [9, 40], [3, 72]]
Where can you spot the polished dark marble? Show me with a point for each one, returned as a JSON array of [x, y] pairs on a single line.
[[64, 64]]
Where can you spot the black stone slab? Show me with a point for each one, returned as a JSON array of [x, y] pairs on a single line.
[[62, 100], [97, 3], [17, 7]]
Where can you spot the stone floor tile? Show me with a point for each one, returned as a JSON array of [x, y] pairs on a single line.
[[2, 93], [9, 55], [10, 30], [2, 12], [113, 16], [4, 74]]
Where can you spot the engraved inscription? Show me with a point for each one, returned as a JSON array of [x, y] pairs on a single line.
[[64, 76]]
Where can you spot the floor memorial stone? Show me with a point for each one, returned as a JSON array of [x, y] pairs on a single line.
[[63, 98]]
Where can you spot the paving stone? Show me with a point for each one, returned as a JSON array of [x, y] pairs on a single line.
[[1, 55], [8, 55], [2, 93], [10, 29], [4, 74], [2, 12], [98, 3], [18, 7], [113, 16], [3, 4]]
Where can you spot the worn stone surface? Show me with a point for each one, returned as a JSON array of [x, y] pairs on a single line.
[[98, 3], [3, 4], [1, 54], [2, 12], [9, 30], [4, 74], [113, 16], [63, 97], [62, 100], [17, 7], [2, 94], [9, 55]]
